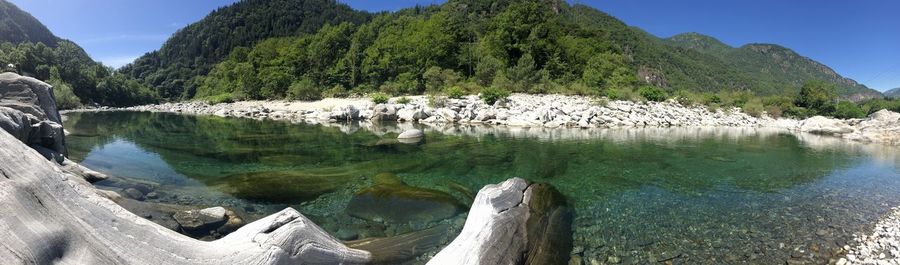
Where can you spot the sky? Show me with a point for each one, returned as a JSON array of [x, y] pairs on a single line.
[[858, 39]]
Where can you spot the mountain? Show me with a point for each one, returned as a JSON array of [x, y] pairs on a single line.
[[17, 26], [893, 93], [260, 48], [772, 68], [195, 49], [77, 79]]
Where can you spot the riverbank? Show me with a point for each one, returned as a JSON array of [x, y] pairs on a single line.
[[535, 111]]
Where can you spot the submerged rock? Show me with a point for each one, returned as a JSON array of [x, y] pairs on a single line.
[[399, 203], [410, 134], [279, 186]]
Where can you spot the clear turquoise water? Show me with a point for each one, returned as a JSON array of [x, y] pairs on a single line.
[[640, 195]]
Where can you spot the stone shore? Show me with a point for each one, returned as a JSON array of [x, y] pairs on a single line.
[[537, 111]]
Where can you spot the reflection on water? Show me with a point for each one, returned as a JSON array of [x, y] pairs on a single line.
[[685, 195]]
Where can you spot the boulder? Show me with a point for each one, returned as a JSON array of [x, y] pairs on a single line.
[[411, 115], [384, 112], [823, 125], [399, 203], [28, 112], [411, 133], [201, 222], [513, 223], [28, 95]]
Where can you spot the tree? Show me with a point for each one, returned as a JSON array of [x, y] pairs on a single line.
[[817, 96]]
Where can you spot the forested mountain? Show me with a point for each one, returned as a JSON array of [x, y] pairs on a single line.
[[194, 50], [304, 48], [17, 26], [772, 68], [893, 93], [34, 51]]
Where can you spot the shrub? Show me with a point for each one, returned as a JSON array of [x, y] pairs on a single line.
[[221, 98], [491, 94], [653, 93], [436, 101], [848, 110], [304, 89], [455, 92], [687, 98], [774, 111], [337, 91], [64, 95], [402, 100], [379, 98], [754, 107]]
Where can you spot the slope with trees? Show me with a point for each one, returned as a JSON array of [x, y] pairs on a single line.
[[33, 50]]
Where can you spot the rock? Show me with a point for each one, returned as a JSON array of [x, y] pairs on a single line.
[[402, 248], [549, 226], [134, 194], [411, 115], [387, 178], [28, 112], [398, 203], [58, 218], [503, 227], [28, 95], [823, 125], [384, 112], [410, 134], [201, 222], [279, 186]]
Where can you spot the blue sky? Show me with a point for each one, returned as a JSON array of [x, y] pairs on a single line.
[[859, 39]]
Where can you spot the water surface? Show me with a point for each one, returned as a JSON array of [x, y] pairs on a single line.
[[696, 195]]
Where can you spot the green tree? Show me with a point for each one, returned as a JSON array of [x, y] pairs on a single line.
[[818, 97]]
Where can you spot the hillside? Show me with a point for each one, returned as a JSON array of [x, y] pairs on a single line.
[[773, 68], [260, 48], [77, 79], [195, 49], [17, 26], [893, 93]]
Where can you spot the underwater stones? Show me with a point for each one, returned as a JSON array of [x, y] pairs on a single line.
[[134, 194], [399, 203], [279, 186], [401, 248], [387, 178], [549, 226], [195, 220]]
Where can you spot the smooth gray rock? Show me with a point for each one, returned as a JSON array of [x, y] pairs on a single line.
[[513, 223], [823, 125], [411, 134], [494, 232], [51, 216], [28, 95], [28, 112]]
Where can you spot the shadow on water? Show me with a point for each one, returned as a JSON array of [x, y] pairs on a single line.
[[638, 192]]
